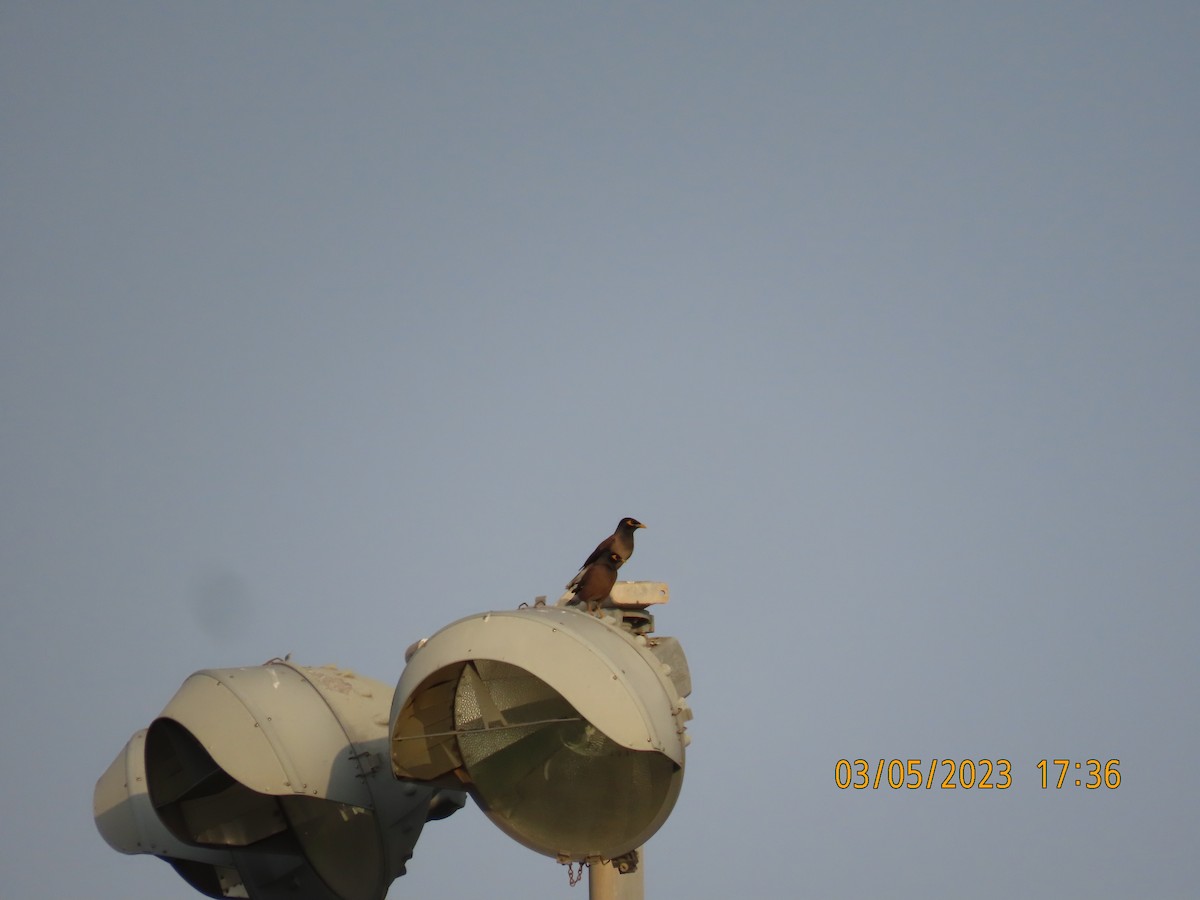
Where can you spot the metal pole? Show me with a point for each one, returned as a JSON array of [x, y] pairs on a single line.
[[606, 883]]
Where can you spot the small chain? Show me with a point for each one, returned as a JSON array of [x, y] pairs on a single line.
[[574, 876]]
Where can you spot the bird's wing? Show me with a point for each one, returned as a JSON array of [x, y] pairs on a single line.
[[602, 549]]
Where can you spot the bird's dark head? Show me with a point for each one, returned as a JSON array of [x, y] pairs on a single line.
[[631, 523]]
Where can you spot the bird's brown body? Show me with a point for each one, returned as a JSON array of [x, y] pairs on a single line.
[[596, 581]]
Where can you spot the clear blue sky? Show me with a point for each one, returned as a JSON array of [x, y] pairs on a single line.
[[322, 326]]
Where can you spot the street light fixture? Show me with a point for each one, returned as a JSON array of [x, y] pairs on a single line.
[[270, 781], [567, 729], [284, 781]]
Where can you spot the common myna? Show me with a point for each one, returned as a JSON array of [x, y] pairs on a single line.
[[619, 542]]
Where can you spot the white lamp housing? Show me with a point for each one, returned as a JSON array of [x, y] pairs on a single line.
[[568, 730]]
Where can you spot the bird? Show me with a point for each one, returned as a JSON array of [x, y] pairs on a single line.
[[619, 542], [596, 581]]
